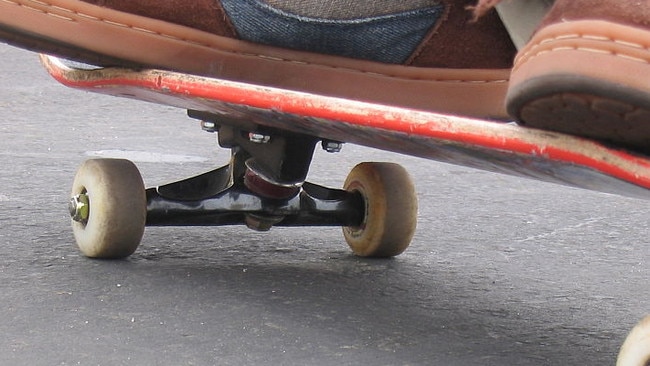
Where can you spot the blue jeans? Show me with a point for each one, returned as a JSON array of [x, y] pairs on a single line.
[[388, 38]]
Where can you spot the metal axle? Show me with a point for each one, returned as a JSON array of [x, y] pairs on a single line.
[[313, 206]]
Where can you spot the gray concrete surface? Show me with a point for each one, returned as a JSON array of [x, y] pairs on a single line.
[[502, 271]]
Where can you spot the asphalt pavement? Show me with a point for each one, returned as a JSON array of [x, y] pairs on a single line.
[[502, 270]]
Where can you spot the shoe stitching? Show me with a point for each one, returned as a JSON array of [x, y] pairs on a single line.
[[532, 53], [87, 16]]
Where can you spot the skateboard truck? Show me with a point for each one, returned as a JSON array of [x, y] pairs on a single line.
[[263, 185], [236, 194]]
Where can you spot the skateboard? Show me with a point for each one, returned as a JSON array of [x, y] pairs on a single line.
[[273, 133]]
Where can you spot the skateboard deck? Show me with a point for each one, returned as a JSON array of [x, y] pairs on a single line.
[[493, 146]]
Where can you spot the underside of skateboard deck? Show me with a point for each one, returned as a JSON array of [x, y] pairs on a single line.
[[493, 146]]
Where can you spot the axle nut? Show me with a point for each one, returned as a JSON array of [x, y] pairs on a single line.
[[79, 208]]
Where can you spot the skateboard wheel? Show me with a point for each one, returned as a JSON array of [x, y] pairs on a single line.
[[635, 351], [390, 210], [112, 224]]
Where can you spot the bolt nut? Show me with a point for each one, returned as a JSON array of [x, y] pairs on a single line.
[[208, 126], [261, 223], [258, 138], [79, 208], [331, 146]]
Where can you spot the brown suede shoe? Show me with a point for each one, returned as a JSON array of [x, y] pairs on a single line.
[[424, 54], [586, 71]]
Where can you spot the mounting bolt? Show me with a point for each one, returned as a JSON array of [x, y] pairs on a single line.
[[331, 146], [79, 208], [208, 126], [258, 138], [261, 223]]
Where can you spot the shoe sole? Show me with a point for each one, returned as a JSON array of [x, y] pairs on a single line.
[[586, 78], [89, 33]]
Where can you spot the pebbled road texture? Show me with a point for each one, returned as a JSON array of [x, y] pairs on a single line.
[[502, 271]]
